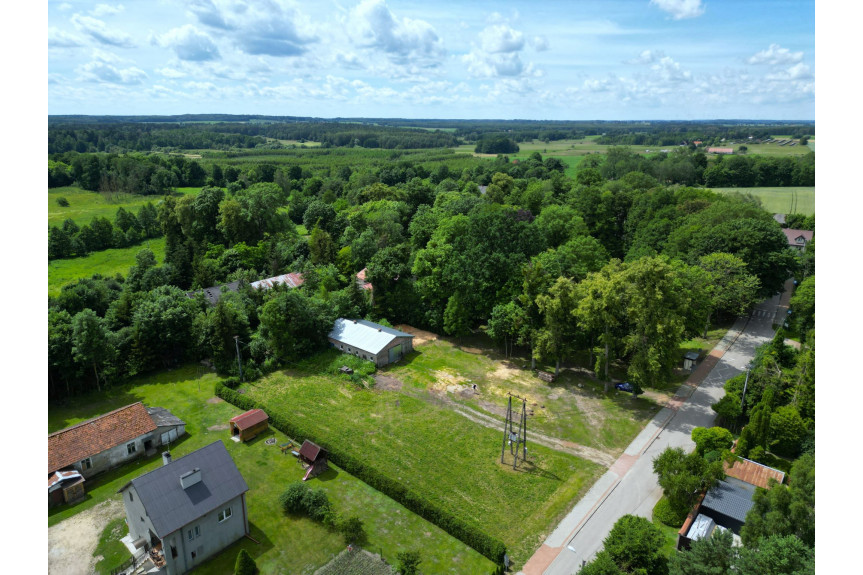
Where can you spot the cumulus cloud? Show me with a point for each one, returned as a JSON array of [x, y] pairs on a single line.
[[797, 72], [100, 32], [262, 28], [776, 55], [680, 9], [647, 57], [500, 38], [190, 44], [404, 40], [108, 71], [107, 10], [59, 39], [172, 73], [667, 70], [540, 43], [498, 53]]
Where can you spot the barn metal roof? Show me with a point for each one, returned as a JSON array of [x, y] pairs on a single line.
[[365, 335], [170, 507], [731, 497], [753, 472], [291, 280]]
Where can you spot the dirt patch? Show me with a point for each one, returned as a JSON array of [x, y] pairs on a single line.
[[215, 400], [71, 543], [506, 370], [420, 336], [219, 427], [494, 408], [387, 383]]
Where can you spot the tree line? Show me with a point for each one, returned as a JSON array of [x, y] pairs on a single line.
[[71, 240]]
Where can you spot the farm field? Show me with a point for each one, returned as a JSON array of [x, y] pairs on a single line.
[[432, 450], [778, 200], [107, 262], [773, 149], [287, 544]]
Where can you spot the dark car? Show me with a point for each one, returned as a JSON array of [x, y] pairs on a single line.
[[625, 386]]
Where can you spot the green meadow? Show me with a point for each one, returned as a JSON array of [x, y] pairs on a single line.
[[284, 544], [779, 200]]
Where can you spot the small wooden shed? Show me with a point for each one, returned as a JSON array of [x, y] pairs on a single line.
[[248, 425], [690, 359], [65, 487], [314, 458]]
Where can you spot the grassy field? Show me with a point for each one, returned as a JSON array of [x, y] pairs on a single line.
[[433, 450], [112, 551], [84, 205], [778, 200], [107, 263], [287, 544]]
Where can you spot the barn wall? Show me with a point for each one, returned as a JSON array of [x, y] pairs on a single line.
[[251, 432], [114, 457]]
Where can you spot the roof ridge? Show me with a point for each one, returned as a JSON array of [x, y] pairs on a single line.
[[92, 419]]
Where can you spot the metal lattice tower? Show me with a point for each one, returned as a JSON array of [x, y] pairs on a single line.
[[515, 432]]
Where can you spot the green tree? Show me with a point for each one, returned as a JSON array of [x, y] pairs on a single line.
[[352, 529], [787, 431], [803, 306], [322, 249], [295, 325], [600, 312], [713, 555], [91, 342], [407, 562], [776, 555], [245, 565], [784, 510], [59, 243], [506, 325], [558, 335], [711, 439], [731, 289], [684, 477], [635, 544]]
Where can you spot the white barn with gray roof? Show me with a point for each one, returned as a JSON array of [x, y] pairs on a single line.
[[369, 340], [187, 510]]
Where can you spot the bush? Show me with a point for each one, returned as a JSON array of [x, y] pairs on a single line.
[[352, 530], [292, 499], [316, 504], [663, 513], [245, 564], [408, 562], [62, 202]]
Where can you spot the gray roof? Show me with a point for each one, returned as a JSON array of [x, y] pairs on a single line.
[[164, 418], [365, 335], [691, 355], [732, 498], [214, 294], [170, 507]]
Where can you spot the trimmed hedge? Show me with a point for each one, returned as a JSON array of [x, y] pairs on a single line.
[[467, 533]]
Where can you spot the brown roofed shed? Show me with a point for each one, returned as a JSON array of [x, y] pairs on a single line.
[[247, 425]]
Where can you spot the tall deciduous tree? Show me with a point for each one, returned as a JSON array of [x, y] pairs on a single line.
[[600, 311], [558, 335], [683, 477], [731, 289], [90, 342]]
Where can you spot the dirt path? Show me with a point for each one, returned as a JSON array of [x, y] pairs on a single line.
[[71, 543]]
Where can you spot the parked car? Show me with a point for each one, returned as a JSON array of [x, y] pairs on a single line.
[[625, 386]]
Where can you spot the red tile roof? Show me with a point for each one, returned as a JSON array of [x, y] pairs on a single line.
[[250, 418], [792, 236], [96, 435], [753, 473]]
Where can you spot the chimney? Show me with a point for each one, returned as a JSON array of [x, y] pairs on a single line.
[[190, 478], [166, 457]]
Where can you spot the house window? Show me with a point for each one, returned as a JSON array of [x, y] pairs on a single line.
[[197, 531], [173, 552], [130, 448], [86, 464], [224, 514]]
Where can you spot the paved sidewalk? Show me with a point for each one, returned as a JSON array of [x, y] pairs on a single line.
[[573, 541]]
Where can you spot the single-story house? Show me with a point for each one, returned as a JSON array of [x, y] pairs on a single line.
[[107, 441], [214, 294], [314, 457], [247, 425], [726, 505], [187, 510], [368, 340], [798, 238]]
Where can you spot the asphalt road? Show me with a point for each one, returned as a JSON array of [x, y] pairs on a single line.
[[630, 486]]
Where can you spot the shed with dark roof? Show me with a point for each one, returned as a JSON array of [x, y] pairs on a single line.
[[250, 424], [189, 509], [728, 503]]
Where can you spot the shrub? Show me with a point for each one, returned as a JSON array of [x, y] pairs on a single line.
[[352, 529], [316, 504], [245, 564], [666, 515], [292, 499], [408, 562], [62, 202]]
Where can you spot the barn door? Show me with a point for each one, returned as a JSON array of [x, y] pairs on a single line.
[[395, 353]]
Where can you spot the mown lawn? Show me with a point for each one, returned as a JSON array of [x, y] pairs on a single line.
[[779, 200], [434, 451], [106, 262], [286, 544]]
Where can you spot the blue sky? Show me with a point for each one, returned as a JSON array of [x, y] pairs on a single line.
[[607, 60]]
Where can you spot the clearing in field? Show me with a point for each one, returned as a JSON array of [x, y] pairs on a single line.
[[287, 544], [779, 200], [107, 262]]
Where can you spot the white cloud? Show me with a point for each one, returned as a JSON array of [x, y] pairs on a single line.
[[498, 53], [105, 72], [797, 72], [776, 55], [107, 10], [647, 57], [404, 40], [264, 27], [100, 32], [680, 9], [172, 73], [64, 7], [190, 44], [59, 39], [667, 70], [500, 38], [540, 43]]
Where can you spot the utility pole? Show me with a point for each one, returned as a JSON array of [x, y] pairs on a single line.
[[239, 362]]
